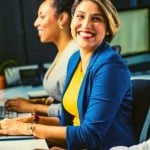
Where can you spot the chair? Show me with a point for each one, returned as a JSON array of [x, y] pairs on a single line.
[[117, 48], [145, 133], [141, 104]]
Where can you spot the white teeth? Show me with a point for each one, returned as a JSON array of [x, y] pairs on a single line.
[[87, 34]]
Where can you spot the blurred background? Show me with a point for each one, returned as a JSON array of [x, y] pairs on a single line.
[[19, 39]]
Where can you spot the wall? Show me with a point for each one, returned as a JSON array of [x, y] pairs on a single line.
[[19, 39]]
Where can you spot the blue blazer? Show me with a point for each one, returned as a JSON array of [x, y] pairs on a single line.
[[104, 103]]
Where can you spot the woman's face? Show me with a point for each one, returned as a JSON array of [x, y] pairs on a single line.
[[47, 23], [88, 25]]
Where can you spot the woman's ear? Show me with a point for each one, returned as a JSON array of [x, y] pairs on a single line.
[[63, 19]]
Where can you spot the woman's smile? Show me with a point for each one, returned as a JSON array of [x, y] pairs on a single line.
[[86, 34]]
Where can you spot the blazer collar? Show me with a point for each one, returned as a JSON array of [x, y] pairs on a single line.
[[96, 54]]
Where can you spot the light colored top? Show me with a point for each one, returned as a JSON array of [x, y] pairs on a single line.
[[55, 76], [71, 95]]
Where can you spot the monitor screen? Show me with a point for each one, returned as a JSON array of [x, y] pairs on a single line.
[[134, 33]]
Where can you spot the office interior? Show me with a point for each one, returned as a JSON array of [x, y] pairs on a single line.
[[19, 40]]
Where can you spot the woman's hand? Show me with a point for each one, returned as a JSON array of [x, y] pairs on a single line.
[[13, 127], [57, 148], [19, 105], [26, 119], [44, 101]]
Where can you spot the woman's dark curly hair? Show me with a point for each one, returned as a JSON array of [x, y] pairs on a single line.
[[63, 6]]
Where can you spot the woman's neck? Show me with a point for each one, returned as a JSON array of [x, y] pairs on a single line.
[[85, 58], [62, 42], [61, 46]]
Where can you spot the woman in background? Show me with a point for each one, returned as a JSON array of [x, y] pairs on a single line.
[[97, 101], [53, 25]]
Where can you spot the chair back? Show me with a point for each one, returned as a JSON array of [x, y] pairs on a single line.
[[117, 48], [145, 133], [141, 104]]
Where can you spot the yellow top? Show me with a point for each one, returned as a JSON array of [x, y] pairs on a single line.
[[71, 95]]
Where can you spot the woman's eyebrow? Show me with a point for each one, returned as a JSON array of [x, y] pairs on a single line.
[[95, 14], [79, 11], [98, 14]]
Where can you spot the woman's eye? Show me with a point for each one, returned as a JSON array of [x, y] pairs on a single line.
[[42, 17], [80, 16], [97, 19]]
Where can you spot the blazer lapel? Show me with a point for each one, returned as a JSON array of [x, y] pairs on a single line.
[[83, 92]]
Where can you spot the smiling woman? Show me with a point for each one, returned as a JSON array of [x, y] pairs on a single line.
[[88, 26], [53, 25], [94, 114]]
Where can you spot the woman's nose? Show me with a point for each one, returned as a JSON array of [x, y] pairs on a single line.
[[36, 22], [87, 23]]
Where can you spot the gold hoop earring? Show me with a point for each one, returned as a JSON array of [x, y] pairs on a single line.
[[60, 26], [107, 33]]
